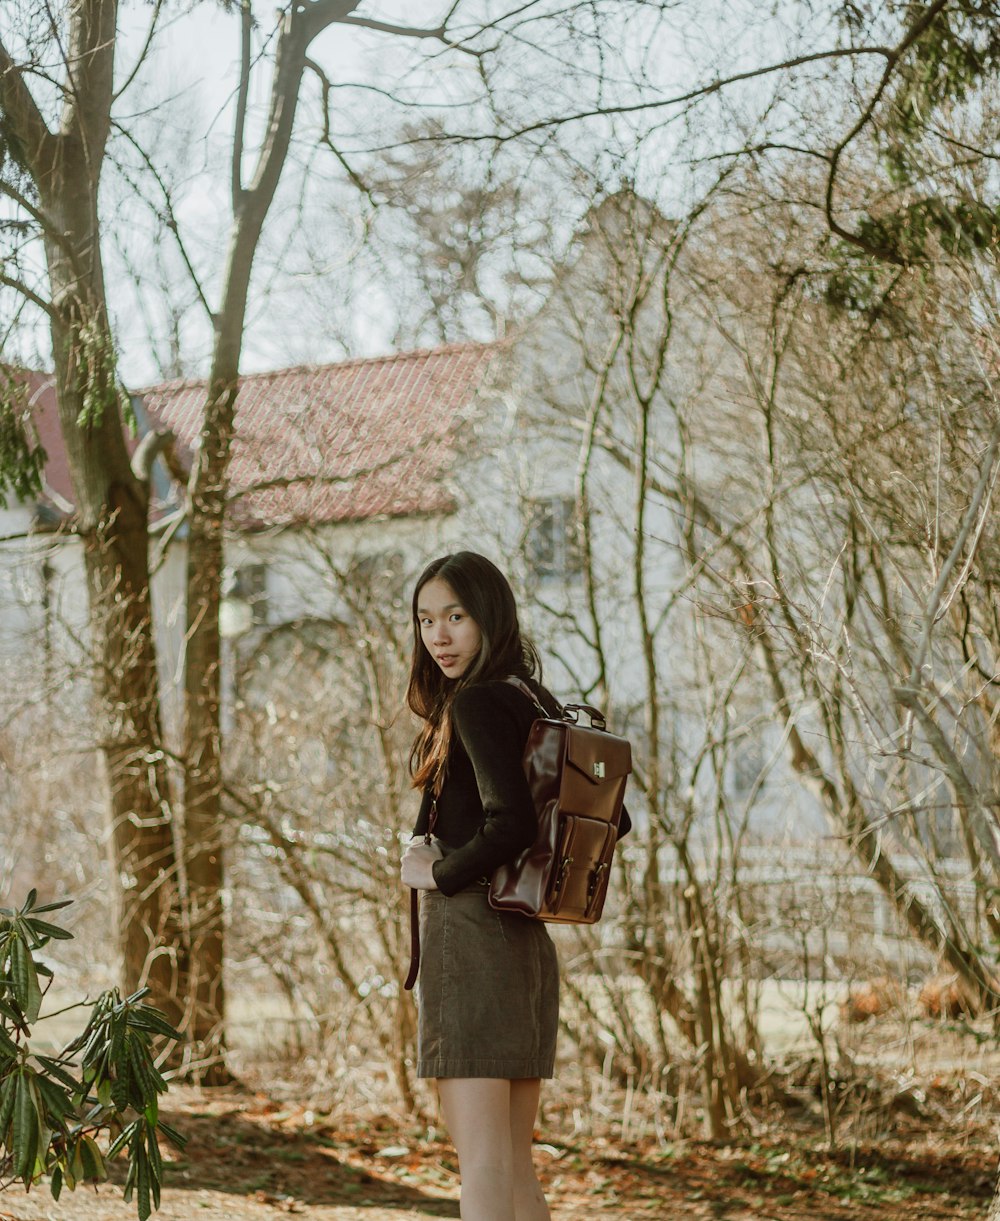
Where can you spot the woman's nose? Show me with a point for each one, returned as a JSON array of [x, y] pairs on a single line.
[[440, 634]]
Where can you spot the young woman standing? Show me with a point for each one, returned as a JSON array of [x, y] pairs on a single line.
[[488, 999]]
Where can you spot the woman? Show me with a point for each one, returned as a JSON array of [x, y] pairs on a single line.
[[489, 983]]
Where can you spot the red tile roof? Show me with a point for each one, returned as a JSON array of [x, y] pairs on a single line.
[[342, 442]]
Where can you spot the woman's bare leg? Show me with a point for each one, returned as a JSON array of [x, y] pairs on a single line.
[[529, 1202], [477, 1111]]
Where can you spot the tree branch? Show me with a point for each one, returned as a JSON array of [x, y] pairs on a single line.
[[325, 138], [239, 135], [976, 508], [892, 58], [29, 294], [438, 33], [387, 27], [170, 218], [964, 789], [35, 213], [693, 95], [157, 9], [976, 154], [154, 443], [20, 116]]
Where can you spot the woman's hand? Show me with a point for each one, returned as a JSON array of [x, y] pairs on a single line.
[[418, 860]]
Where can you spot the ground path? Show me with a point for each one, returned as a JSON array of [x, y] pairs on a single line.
[[214, 1206], [250, 1159]]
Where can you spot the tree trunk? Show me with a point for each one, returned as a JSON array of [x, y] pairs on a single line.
[[208, 493], [152, 944], [111, 503], [203, 813], [112, 517]]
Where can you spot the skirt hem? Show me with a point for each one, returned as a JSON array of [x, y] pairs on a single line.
[[510, 1070]]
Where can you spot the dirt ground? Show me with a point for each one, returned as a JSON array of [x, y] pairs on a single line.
[[253, 1159]]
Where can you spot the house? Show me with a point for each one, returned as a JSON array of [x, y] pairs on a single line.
[[41, 563], [394, 459], [350, 463], [493, 446], [357, 459], [375, 465]]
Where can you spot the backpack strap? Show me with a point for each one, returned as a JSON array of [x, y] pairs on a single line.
[[567, 712], [414, 968], [523, 687]]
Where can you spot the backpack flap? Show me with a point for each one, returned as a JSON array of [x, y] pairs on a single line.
[[597, 765], [598, 756]]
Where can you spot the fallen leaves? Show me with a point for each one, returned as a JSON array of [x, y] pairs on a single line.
[[294, 1160]]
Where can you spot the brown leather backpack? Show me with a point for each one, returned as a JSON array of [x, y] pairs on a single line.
[[577, 776]]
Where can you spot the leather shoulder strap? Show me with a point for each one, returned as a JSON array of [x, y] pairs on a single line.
[[523, 687]]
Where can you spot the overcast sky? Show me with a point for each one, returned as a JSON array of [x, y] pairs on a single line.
[[313, 298]]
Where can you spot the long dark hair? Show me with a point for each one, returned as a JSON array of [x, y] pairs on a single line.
[[486, 595]]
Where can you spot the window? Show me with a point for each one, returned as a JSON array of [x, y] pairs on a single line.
[[552, 541], [747, 765], [248, 584]]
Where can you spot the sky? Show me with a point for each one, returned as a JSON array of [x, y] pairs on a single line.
[[317, 293]]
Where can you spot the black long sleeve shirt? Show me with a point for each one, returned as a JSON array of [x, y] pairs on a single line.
[[486, 815]]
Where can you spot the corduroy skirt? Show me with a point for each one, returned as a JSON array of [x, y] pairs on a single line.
[[488, 990]]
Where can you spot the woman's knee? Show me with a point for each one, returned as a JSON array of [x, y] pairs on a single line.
[[484, 1152], [481, 1164]]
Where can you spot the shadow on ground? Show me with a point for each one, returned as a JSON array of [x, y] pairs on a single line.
[[266, 1158], [249, 1148]]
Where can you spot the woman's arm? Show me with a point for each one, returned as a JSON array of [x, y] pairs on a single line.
[[494, 740]]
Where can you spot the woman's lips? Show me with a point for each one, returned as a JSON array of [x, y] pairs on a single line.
[[447, 659]]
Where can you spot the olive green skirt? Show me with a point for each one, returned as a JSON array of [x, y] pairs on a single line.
[[488, 990]]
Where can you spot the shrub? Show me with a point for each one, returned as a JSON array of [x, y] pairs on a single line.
[[104, 1082]]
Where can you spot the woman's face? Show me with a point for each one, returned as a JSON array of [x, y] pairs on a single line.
[[450, 634]]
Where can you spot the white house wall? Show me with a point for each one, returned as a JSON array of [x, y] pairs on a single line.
[[522, 443], [43, 612], [168, 586], [553, 381]]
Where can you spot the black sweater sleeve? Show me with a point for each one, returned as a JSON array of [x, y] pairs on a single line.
[[492, 738]]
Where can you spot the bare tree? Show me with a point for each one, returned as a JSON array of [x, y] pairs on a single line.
[[55, 142], [874, 515], [615, 367], [793, 474], [318, 781], [55, 151], [207, 486], [55, 165], [474, 234]]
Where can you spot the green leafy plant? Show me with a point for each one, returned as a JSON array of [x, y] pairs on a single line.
[[22, 458], [105, 1082]]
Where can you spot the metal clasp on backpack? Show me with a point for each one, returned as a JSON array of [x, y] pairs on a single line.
[[595, 879], [560, 882], [594, 884]]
